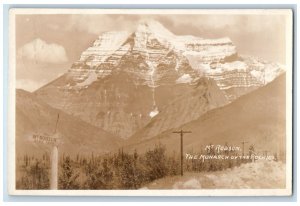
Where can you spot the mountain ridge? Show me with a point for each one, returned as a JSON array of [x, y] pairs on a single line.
[[257, 117], [36, 117], [141, 68]]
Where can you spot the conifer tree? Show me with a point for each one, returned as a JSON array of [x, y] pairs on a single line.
[[68, 177]]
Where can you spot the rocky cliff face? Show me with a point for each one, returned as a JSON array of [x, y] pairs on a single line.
[[186, 107], [124, 79]]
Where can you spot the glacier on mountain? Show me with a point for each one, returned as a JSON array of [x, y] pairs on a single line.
[[185, 78], [154, 112], [92, 77]]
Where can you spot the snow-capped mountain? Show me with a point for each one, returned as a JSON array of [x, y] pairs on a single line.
[[158, 47], [124, 79], [151, 48], [241, 76]]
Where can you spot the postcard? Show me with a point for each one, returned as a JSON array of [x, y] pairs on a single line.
[[148, 102]]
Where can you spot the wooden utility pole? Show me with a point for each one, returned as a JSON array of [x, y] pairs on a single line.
[[243, 142], [56, 123], [181, 132]]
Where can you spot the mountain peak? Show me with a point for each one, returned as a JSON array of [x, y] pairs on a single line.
[[123, 80], [153, 26], [155, 56]]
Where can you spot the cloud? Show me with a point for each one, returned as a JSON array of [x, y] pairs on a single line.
[[40, 51], [30, 85]]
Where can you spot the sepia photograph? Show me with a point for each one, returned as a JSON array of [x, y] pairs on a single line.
[[148, 102]]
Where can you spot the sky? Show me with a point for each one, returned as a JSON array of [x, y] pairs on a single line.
[[48, 44]]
